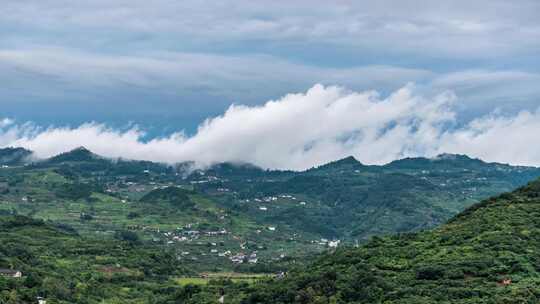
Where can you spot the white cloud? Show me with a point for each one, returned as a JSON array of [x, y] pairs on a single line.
[[512, 139], [302, 130], [5, 122]]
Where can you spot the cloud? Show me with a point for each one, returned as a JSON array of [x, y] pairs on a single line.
[[168, 64], [510, 139], [155, 81], [61, 72], [114, 61], [5, 122], [485, 90], [455, 29], [301, 130]]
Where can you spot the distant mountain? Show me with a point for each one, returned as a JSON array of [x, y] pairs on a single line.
[[229, 169], [489, 253], [346, 164], [455, 164], [82, 161], [80, 154], [344, 199], [14, 156], [440, 161], [142, 217], [350, 200]]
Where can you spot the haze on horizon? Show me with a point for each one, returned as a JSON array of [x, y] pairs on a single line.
[[280, 85]]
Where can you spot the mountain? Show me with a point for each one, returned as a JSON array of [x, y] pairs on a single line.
[[85, 215], [80, 154], [234, 170], [345, 164], [348, 200], [281, 216], [440, 161], [489, 253], [14, 156], [81, 161]]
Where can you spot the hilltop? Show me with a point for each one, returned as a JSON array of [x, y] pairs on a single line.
[[14, 156], [76, 155]]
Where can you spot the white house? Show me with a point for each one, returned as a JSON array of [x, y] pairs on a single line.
[[333, 244], [11, 273]]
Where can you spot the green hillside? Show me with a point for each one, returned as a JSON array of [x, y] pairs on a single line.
[[85, 229], [80, 154], [58, 264], [351, 201], [490, 253], [214, 218], [178, 197]]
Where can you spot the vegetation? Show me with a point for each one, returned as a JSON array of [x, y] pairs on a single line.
[[348, 200], [178, 197], [85, 229], [14, 156], [64, 267], [490, 253]]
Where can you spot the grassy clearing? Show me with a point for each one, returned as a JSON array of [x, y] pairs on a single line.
[[204, 278]]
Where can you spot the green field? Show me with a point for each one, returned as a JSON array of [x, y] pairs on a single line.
[[205, 278]]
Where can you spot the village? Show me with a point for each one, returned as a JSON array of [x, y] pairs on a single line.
[[222, 244]]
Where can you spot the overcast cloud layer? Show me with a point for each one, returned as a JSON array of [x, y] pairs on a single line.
[[170, 64], [299, 131]]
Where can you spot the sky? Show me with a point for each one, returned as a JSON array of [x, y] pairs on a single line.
[[282, 84]]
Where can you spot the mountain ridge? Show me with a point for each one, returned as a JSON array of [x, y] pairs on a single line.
[[220, 218], [344, 199], [83, 154], [14, 156]]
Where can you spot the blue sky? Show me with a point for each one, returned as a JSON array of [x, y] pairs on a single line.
[[166, 66]]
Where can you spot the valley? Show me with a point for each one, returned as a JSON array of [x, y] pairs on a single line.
[[238, 217], [143, 232], [486, 254]]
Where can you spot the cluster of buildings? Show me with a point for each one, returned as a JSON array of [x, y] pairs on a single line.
[[327, 242], [238, 258], [244, 258], [205, 179], [182, 235], [269, 199]]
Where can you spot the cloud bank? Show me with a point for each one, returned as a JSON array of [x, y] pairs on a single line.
[[302, 130]]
